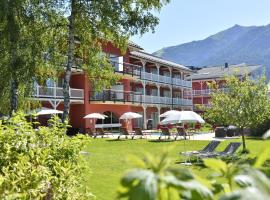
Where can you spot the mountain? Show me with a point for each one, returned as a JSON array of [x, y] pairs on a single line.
[[237, 44]]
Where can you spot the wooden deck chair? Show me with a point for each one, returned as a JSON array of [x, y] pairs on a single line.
[[90, 132], [165, 131], [139, 132], [99, 132], [180, 132], [125, 132]]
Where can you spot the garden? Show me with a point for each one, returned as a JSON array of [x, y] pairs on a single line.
[[109, 160]]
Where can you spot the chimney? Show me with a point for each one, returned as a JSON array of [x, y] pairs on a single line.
[[226, 66]]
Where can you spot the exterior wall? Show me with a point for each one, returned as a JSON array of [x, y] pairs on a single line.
[[78, 111], [198, 85]]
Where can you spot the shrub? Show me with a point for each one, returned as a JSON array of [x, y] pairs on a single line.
[[155, 179], [40, 164], [260, 129]]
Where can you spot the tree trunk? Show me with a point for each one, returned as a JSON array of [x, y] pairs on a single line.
[[70, 63], [243, 140], [13, 36], [14, 96]]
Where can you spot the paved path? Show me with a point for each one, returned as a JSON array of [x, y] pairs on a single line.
[[197, 136]]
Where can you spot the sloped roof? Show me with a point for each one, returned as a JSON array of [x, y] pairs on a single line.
[[133, 44], [221, 71], [150, 57]]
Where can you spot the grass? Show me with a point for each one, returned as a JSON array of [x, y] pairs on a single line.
[[108, 160]]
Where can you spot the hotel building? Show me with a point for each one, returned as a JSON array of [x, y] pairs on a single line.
[[149, 85], [201, 93]]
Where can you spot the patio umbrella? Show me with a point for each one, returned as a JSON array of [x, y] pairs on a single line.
[[182, 117], [95, 116], [45, 111], [168, 113], [130, 115]]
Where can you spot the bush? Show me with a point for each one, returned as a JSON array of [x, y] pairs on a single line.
[[260, 129], [40, 164], [153, 178]]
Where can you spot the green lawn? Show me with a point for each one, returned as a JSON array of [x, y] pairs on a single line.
[[108, 160]]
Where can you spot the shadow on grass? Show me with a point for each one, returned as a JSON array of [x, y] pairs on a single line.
[[161, 141], [119, 140], [231, 159], [254, 138]]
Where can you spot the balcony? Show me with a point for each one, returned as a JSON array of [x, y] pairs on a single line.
[[206, 92], [165, 79], [116, 96], [136, 97], [180, 82], [126, 68], [57, 93]]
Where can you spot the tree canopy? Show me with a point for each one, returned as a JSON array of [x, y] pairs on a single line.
[[26, 36], [95, 23], [245, 103]]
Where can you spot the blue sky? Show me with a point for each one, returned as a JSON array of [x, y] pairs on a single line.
[[183, 21]]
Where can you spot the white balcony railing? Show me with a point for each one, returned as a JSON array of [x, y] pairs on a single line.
[[167, 100], [165, 79], [136, 97], [177, 81], [57, 92], [205, 92]]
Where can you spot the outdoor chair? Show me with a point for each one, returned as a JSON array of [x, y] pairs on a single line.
[[99, 132], [165, 131], [125, 132], [90, 132], [209, 148], [198, 127], [139, 132], [228, 151], [180, 132]]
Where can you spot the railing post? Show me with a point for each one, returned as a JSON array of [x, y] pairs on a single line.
[[103, 95], [54, 92], [37, 90]]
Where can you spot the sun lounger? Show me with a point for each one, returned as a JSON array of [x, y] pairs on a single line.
[[228, 151], [165, 131], [209, 148], [139, 132]]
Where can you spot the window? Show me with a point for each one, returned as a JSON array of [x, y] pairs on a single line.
[[116, 61], [110, 119], [50, 83]]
